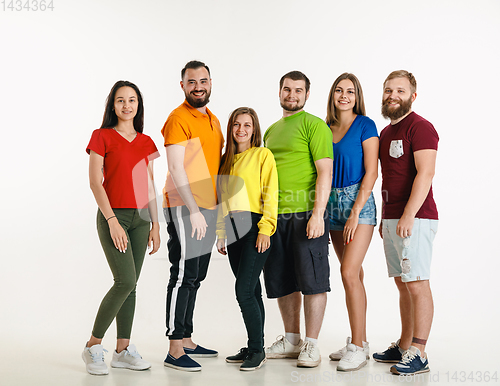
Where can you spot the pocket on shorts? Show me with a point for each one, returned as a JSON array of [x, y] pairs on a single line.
[[352, 194], [396, 148], [319, 256]]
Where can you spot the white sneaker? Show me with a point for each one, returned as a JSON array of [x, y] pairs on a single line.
[[337, 355], [94, 360], [282, 348], [353, 360], [129, 359], [309, 355]]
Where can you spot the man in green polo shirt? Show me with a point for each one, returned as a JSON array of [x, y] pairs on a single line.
[[302, 147]]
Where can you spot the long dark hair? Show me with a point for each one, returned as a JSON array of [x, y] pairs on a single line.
[[227, 159], [359, 106], [110, 120]]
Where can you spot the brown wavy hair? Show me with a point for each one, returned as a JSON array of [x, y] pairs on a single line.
[[359, 106], [227, 159]]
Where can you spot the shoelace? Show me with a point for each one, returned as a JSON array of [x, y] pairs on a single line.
[[308, 348], [393, 344], [408, 356], [280, 341], [133, 354], [98, 356]]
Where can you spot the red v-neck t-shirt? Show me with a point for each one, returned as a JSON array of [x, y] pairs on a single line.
[[125, 166]]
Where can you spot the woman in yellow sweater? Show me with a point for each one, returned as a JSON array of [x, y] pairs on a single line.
[[248, 210]]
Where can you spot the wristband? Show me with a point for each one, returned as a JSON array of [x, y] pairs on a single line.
[[109, 218]]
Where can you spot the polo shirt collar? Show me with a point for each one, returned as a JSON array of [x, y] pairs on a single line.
[[195, 112]]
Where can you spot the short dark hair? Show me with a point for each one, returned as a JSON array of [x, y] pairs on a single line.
[[193, 64], [110, 120], [296, 75]]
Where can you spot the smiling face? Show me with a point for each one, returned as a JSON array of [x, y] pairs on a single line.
[[293, 96], [242, 132], [344, 96], [397, 99], [197, 86], [125, 103]]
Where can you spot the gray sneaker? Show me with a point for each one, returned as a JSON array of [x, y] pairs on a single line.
[[129, 359], [94, 360]]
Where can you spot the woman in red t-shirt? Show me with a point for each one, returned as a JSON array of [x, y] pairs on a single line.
[[121, 178]]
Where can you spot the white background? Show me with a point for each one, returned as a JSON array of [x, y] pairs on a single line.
[[57, 68]]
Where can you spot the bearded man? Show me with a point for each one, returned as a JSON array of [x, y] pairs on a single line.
[[193, 142], [297, 268], [408, 150]]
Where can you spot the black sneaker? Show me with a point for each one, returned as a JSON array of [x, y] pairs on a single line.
[[392, 355], [239, 357], [253, 361]]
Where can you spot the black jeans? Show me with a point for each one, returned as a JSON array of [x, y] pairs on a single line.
[[247, 264]]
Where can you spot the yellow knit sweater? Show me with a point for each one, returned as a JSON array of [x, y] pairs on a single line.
[[252, 186]]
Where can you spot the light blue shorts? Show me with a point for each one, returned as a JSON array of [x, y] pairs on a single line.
[[409, 257], [340, 206]]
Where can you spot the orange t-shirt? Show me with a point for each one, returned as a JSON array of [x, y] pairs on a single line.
[[201, 135]]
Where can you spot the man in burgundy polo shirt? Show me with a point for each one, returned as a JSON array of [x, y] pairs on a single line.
[[408, 150]]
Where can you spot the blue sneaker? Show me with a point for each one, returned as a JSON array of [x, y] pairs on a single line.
[[183, 363], [411, 363], [200, 352], [392, 355]]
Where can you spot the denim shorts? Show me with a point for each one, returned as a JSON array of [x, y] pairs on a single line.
[[409, 257], [340, 205]]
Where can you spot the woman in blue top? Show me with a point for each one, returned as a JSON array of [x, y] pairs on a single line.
[[351, 206]]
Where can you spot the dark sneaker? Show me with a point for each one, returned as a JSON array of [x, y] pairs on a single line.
[[239, 357], [392, 355], [200, 352], [411, 363], [183, 363], [253, 361]]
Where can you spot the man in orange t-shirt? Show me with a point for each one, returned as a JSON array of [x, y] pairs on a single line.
[[193, 141]]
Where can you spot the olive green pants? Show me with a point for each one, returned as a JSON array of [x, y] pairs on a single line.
[[119, 302]]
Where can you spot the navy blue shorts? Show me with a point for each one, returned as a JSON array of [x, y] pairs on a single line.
[[297, 263]]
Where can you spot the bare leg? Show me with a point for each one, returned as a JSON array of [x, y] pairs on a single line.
[[351, 257], [406, 312], [354, 254], [122, 344], [188, 343], [93, 341], [423, 311], [314, 311], [176, 348], [290, 311]]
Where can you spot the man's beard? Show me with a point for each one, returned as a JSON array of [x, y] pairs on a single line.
[[296, 108], [394, 114], [197, 102]]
